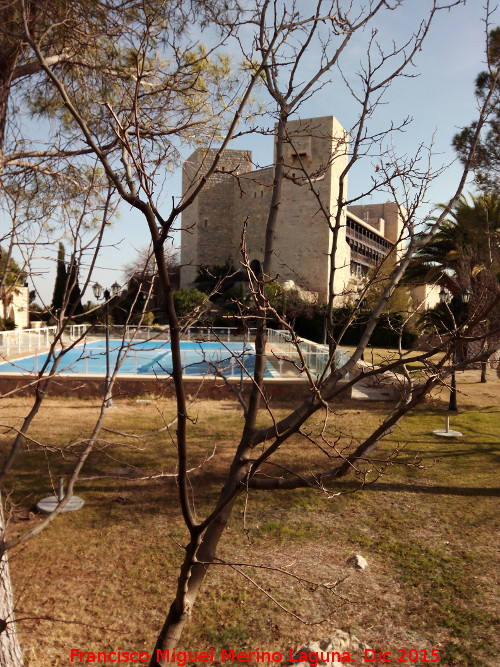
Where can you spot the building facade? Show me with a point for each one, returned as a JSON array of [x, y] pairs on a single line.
[[15, 305], [237, 197]]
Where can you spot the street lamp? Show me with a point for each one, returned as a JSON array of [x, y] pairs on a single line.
[[99, 293], [455, 303], [444, 296], [361, 304], [465, 296]]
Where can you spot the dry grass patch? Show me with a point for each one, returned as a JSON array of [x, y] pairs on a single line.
[[107, 573]]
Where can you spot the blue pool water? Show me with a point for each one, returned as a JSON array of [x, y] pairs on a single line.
[[148, 358]]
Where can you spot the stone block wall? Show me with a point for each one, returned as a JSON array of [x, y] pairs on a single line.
[[126, 388], [207, 224], [315, 154]]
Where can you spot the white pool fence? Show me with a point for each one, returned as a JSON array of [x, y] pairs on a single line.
[[282, 349]]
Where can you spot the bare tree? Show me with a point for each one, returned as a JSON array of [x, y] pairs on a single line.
[[33, 172], [183, 93]]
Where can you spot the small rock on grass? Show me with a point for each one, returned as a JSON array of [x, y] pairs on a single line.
[[322, 652], [358, 562]]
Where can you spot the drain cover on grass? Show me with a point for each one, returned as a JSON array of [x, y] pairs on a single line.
[[48, 505]]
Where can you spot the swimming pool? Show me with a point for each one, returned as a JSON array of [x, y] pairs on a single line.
[[149, 358]]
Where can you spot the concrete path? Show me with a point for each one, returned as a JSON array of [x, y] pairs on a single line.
[[361, 392]]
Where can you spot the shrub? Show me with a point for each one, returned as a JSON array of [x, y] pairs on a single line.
[[7, 324], [186, 300]]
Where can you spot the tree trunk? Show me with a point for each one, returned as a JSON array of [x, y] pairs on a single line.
[[484, 370], [10, 650], [199, 555]]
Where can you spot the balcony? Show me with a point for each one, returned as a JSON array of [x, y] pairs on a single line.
[[361, 259], [375, 245]]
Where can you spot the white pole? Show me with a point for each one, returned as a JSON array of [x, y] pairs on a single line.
[[60, 488]]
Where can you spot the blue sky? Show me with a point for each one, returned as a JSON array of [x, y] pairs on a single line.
[[440, 100]]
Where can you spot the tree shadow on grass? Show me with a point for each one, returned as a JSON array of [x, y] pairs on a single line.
[[423, 488], [488, 448]]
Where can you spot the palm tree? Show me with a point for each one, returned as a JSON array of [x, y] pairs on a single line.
[[466, 245], [463, 256]]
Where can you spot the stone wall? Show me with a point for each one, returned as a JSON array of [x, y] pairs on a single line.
[[278, 390], [207, 234]]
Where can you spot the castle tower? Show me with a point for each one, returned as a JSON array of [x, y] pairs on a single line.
[[209, 233], [315, 155]]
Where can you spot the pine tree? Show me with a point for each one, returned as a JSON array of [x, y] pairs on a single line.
[[486, 163], [61, 277], [75, 295]]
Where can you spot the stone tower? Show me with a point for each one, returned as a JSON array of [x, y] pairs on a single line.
[[315, 155], [210, 229]]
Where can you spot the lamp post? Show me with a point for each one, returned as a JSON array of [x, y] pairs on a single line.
[[100, 293], [456, 304], [361, 304]]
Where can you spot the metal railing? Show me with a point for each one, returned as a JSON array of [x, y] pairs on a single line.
[[21, 340], [372, 243], [315, 355], [359, 257], [201, 334], [135, 360], [283, 353], [25, 340]]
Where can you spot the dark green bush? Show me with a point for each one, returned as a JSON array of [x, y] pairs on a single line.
[[7, 324]]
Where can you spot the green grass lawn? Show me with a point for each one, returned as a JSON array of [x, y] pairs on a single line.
[[103, 578], [379, 356]]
